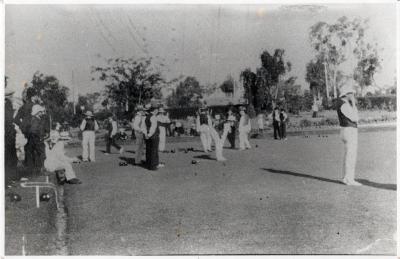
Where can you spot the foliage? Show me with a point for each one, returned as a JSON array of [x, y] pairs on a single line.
[[315, 76], [249, 83], [54, 96], [88, 101], [130, 82], [228, 85], [377, 102], [342, 43], [187, 94]]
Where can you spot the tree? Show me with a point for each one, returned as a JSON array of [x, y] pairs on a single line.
[[228, 85], [274, 68], [187, 94], [315, 76], [340, 44], [249, 83], [130, 82], [88, 101], [54, 96]]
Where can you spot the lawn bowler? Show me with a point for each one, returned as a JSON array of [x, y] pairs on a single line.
[[137, 125], [244, 129], [203, 122], [88, 126], [348, 119]]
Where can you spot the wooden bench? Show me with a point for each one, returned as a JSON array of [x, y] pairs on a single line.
[[45, 184]]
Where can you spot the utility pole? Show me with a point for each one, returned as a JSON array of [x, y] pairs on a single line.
[[73, 92]]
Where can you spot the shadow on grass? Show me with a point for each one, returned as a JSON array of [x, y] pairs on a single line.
[[365, 182], [130, 151], [131, 161], [206, 157], [385, 186], [274, 171]]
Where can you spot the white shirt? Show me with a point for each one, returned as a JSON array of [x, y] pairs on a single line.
[[242, 122], [137, 122]]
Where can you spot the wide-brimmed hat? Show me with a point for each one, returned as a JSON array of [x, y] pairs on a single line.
[[89, 114], [242, 108], [161, 110], [147, 107], [139, 107], [36, 109], [347, 88]]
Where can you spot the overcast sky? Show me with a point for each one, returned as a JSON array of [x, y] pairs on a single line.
[[208, 42]]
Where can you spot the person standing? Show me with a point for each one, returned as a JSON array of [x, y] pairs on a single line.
[[232, 133], [10, 151], [138, 127], [88, 126], [112, 129], [276, 121], [203, 121], [152, 139], [283, 118], [244, 129], [163, 124], [315, 109], [260, 123], [348, 120], [23, 120], [37, 134]]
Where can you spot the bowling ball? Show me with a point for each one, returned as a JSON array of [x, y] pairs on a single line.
[[172, 150], [15, 197], [185, 150], [256, 146], [194, 162], [123, 164], [45, 196]]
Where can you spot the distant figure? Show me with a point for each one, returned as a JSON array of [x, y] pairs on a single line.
[[260, 123], [276, 123], [179, 128], [112, 130], [203, 122], [283, 118], [57, 160], [315, 110], [348, 119], [232, 133], [138, 126], [244, 129], [152, 133], [163, 124], [88, 126], [37, 134]]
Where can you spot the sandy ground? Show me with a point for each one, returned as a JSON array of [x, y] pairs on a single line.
[[278, 198]]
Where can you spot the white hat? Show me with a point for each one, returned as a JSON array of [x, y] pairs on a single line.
[[89, 113], [348, 87], [36, 109]]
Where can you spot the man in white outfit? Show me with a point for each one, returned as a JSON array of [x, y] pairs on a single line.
[[164, 122], [244, 129], [203, 122], [88, 126], [348, 119], [137, 125]]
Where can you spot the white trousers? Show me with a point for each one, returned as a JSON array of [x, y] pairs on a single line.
[[205, 137], [219, 145], [161, 144], [349, 136], [244, 137], [88, 139], [53, 165]]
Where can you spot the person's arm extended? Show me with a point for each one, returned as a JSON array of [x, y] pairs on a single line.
[[350, 112], [83, 125]]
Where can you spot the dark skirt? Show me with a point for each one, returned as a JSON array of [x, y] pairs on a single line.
[[152, 160]]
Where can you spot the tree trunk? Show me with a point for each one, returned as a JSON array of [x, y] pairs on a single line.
[[334, 83], [326, 82]]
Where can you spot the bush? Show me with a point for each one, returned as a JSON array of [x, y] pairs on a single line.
[[305, 123], [377, 102]]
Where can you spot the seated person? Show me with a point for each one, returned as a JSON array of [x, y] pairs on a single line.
[[57, 160]]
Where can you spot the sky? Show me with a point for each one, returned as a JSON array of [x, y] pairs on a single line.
[[209, 42]]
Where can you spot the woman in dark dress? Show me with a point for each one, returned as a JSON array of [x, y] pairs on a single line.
[[152, 139]]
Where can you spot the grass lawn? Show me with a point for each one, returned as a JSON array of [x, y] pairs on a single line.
[[278, 198]]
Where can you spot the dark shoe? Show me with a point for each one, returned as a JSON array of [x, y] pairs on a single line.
[[74, 181]]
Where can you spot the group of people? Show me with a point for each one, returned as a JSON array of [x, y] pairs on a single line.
[[279, 118], [44, 147]]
